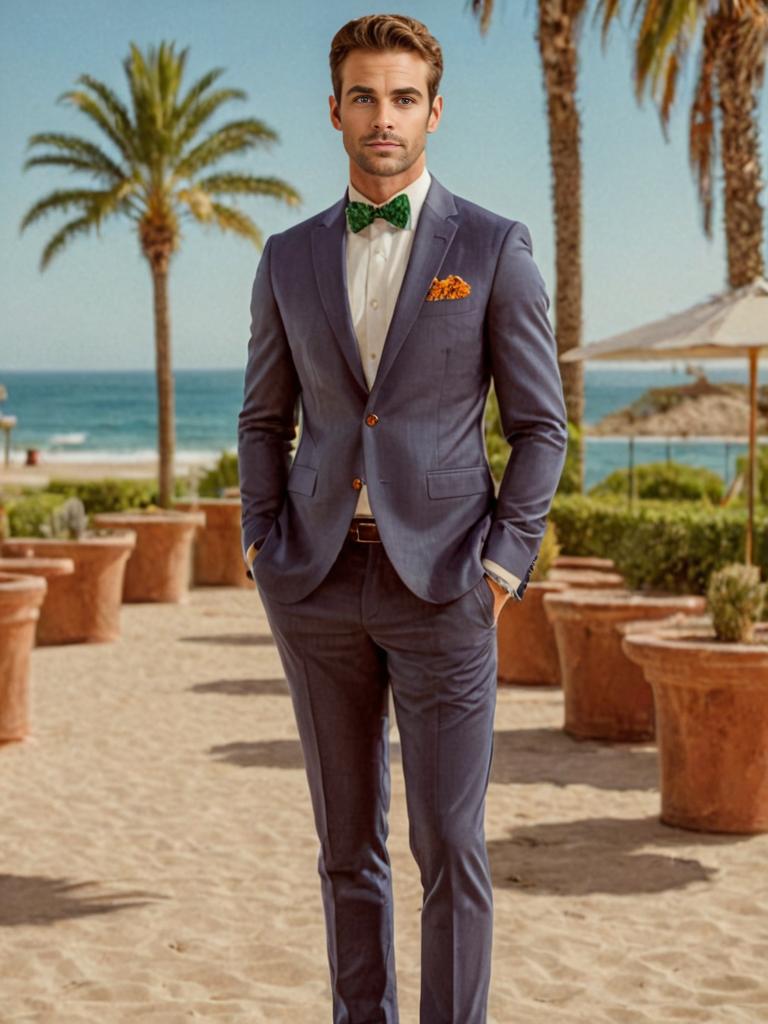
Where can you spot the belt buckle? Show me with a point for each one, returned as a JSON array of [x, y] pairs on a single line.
[[365, 525]]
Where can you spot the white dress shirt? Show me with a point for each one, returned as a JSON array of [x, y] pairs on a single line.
[[377, 257]]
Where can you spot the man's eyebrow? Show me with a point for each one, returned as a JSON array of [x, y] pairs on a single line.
[[408, 90]]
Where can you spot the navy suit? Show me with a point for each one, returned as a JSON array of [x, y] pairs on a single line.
[[413, 611]]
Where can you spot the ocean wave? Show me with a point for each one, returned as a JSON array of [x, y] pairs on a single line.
[[184, 457]]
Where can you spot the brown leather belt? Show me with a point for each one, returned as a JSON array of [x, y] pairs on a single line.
[[364, 530]]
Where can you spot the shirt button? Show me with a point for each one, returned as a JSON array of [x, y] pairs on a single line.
[[357, 483], [371, 419], [375, 303], [373, 355]]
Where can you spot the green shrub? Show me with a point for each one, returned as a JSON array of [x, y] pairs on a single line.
[[667, 546], [496, 444], [548, 552], [112, 495], [30, 515], [762, 474], [735, 599], [224, 474], [665, 481], [108, 495], [570, 478]]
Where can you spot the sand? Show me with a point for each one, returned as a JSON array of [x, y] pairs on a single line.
[[49, 469], [159, 856]]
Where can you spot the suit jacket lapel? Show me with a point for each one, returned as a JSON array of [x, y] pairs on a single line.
[[434, 234], [329, 256]]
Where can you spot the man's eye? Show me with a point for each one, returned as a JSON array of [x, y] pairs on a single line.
[[409, 99]]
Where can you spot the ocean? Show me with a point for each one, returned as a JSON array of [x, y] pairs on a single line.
[[109, 417]]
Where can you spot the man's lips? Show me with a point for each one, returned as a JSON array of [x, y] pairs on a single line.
[[383, 145]]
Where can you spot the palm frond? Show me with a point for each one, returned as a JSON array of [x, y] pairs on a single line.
[[111, 102], [101, 118], [196, 116], [84, 154], [61, 199], [230, 219], [234, 137], [702, 137], [248, 184], [483, 11], [83, 225]]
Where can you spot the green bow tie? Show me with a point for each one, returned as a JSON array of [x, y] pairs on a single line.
[[396, 211]]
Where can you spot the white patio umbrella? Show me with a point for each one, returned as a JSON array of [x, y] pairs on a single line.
[[731, 323]]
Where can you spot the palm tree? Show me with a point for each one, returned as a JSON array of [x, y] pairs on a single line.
[[559, 24], [159, 172], [734, 40]]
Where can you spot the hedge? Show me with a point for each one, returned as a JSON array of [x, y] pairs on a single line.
[[665, 481], [665, 546]]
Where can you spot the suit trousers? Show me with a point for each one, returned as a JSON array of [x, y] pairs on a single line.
[[342, 646]]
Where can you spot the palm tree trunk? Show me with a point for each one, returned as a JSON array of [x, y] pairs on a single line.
[[166, 440], [738, 98], [559, 57]]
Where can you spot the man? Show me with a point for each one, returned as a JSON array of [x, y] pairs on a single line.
[[381, 553]]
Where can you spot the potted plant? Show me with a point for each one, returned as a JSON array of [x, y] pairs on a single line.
[[710, 688], [218, 555], [20, 600], [605, 694], [159, 568], [84, 606], [527, 652], [48, 569]]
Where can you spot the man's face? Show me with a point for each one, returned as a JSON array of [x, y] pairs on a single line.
[[383, 112]]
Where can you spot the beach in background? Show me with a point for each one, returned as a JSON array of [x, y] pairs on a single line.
[[91, 424]]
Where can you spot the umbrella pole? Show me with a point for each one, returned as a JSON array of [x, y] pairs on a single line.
[[752, 472]]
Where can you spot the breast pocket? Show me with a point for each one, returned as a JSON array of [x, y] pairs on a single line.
[[451, 307]]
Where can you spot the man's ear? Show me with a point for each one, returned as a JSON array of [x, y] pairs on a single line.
[[435, 114], [334, 113]]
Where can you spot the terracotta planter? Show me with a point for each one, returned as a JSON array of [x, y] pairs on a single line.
[[587, 578], [527, 650], [606, 695], [218, 554], [20, 600], [50, 569], [712, 721], [83, 607], [584, 562], [159, 568]]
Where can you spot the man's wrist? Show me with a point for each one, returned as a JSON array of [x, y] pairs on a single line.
[[250, 554], [508, 585]]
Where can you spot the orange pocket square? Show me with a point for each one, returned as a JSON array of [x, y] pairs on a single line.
[[452, 287]]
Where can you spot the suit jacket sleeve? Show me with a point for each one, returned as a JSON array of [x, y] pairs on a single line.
[[527, 382], [267, 420]]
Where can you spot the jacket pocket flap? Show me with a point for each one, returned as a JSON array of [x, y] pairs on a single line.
[[453, 483], [302, 479]]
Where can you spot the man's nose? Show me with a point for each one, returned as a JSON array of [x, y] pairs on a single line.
[[382, 120]]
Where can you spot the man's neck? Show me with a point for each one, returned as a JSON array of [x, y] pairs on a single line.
[[380, 189]]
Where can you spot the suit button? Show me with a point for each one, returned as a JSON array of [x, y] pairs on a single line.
[[357, 483], [371, 419]]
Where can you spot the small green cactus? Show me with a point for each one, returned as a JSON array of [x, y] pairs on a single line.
[[735, 599], [548, 552], [69, 520]]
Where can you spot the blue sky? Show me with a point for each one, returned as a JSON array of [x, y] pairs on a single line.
[[645, 254]]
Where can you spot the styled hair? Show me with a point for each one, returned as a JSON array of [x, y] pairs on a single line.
[[387, 32]]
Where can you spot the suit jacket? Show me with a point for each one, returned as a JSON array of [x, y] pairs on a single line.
[[417, 437]]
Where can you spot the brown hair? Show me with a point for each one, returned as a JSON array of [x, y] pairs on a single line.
[[387, 32]]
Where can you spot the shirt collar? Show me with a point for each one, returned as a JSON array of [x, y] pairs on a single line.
[[416, 192]]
